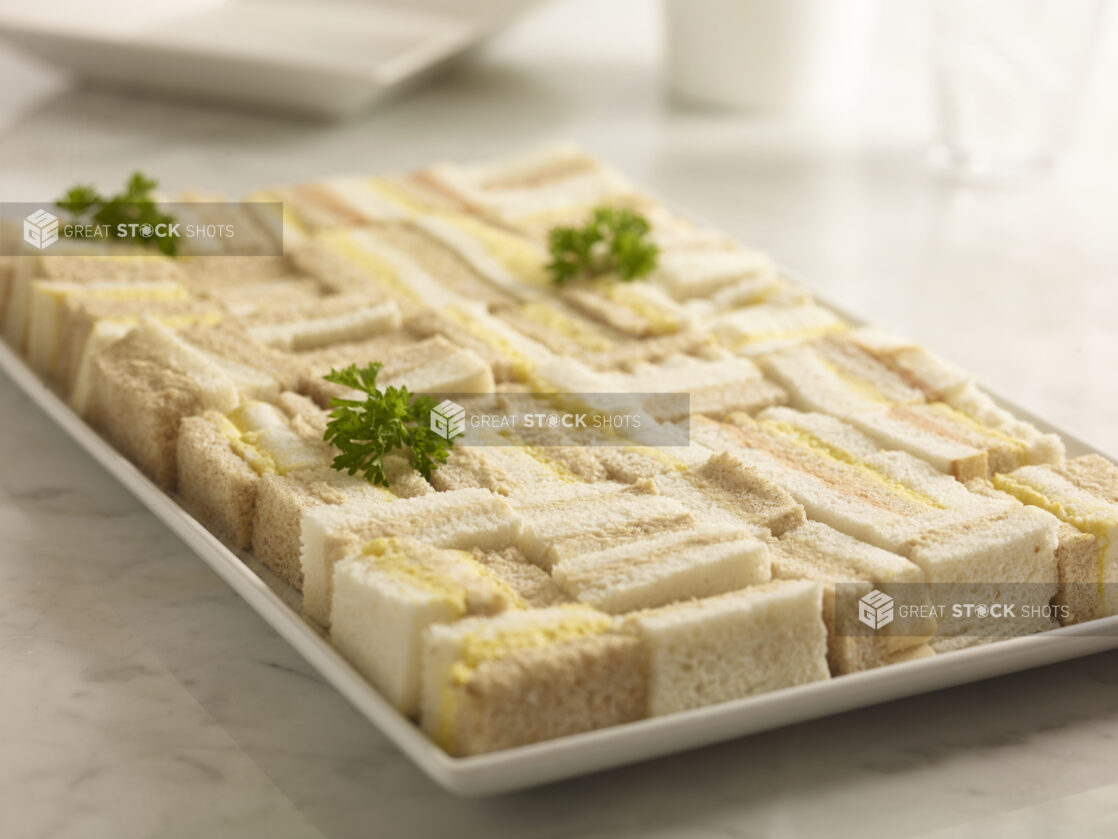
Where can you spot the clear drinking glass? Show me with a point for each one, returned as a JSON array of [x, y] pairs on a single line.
[[1008, 78]]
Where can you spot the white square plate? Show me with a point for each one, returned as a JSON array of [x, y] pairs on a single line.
[[322, 59], [553, 760]]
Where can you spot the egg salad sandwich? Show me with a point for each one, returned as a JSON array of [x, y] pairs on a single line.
[[580, 669], [459, 262], [559, 523], [330, 320], [431, 365], [529, 194], [86, 325], [716, 387], [462, 519], [963, 434], [48, 301], [501, 468], [389, 593], [723, 487], [222, 458], [566, 331], [766, 327], [534, 586], [661, 568], [891, 499], [698, 265], [145, 384], [115, 268]]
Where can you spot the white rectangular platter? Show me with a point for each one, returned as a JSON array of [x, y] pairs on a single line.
[[553, 760]]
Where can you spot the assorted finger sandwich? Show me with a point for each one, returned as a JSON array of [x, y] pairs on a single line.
[[500, 595]]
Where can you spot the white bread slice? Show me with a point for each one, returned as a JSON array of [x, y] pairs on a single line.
[[354, 198], [1009, 555], [432, 255], [463, 241], [541, 184], [567, 332], [579, 670], [663, 568], [701, 271], [433, 365], [114, 266], [835, 376], [925, 370], [831, 434], [563, 330], [752, 641], [946, 438], [938, 420], [716, 386], [562, 522], [830, 490], [769, 326], [330, 322], [377, 264], [260, 372], [245, 299], [389, 593], [950, 456], [464, 519], [638, 310], [48, 300], [206, 274], [311, 208], [979, 406], [815, 382]]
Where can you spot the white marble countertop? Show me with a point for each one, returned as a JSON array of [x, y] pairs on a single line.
[[140, 697]]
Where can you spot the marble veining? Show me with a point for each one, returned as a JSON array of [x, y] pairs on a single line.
[[140, 697]]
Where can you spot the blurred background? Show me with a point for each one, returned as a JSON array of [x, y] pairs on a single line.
[[947, 168]]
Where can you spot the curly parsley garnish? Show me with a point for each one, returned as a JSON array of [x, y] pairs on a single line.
[[129, 210], [612, 241], [385, 421]]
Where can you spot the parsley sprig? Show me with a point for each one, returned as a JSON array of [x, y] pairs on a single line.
[[385, 421], [611, 241], [135, 205]]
